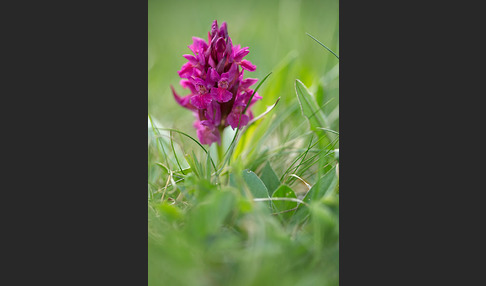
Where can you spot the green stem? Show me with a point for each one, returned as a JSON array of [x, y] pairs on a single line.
[[220, 147], [220, 153]]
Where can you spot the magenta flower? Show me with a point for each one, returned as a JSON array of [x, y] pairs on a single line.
[[214, 76]]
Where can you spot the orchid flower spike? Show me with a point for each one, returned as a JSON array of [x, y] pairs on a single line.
[[214, 76]]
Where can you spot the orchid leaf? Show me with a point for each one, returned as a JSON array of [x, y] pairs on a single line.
[[285, 209], [255, 185], [323, 186], [269, 178], [309, 107]]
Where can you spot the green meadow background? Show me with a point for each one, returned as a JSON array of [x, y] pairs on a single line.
[[275, 31], [206, 229]]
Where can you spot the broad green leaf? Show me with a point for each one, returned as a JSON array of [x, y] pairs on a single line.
[[269, 178], [255, 184], [284, 191], [309, 107], [324, 185]]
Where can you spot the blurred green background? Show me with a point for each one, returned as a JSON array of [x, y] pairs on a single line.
[[274, 30]]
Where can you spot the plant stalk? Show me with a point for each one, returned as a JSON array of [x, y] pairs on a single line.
[[219, 147]]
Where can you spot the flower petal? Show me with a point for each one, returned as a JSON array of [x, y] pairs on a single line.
[[213, 74], [223, 30], [235, 118], [229, 48], [247, 65], [201, 101], [198, 46], [255, 98], [240, 53], [246, 83], [188, 84], [192, 59], [183, 101], [221, 94], [186, 70], [220, 45], [207, 133], [231, 73], [214, 28], [214, 113]]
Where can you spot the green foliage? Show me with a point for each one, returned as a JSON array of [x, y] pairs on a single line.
[[255, 185], [269, 178], [324, 186], [232, 230], [285, 209], [228, 239], [266, 211], [309, 107]]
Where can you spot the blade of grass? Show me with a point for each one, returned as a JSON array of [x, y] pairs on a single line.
[[158, 137], [328, 130], [280, 199], [187, 135], [264, 113], [289, 169], [313, 160], [309, 162], [253, 93], [175, 154], [231, 147], [323, 45]]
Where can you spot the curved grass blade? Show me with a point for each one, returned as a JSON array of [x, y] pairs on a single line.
[[175, 154], [309, 147], [323, 45], [324, 185], [187, 135], [258, 86], [232, 144], [328, 130], [281, 199], [310, 161], [158, 139], [264, 113]]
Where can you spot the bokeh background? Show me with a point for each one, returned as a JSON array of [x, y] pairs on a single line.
[[274, 30]]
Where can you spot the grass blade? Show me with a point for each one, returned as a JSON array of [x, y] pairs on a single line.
[[323, 45], [187, 135]]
